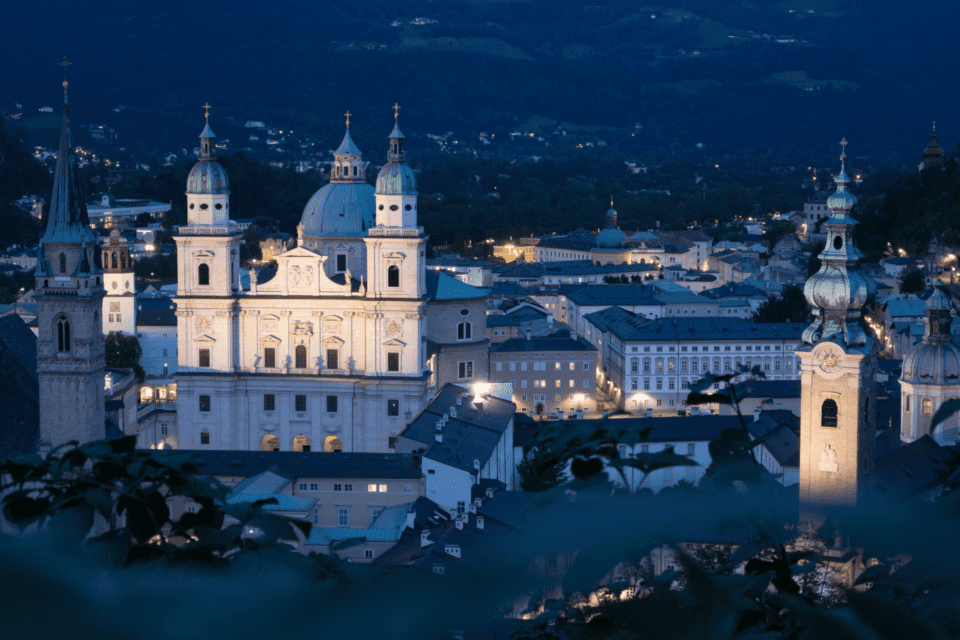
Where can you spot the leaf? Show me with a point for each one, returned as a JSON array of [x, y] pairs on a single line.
[[25, 510], [946, 410], [708, 398], [874, 573], [100, 500], [346, 543]]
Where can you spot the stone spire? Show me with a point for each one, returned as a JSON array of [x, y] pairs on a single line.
[[839, 291], [207, 136], [68, 222], [933, 155]]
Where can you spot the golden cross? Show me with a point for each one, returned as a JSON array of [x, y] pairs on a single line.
[[844, 143], [348, 114], [396, 110], [64, 64], [206, 109]]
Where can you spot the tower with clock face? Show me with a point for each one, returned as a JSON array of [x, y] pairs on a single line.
[[838, 363]]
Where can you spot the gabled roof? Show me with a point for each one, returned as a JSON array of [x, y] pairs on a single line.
[[541, 344], [473, 434], [630, 327], [441, 286], [19, 389]]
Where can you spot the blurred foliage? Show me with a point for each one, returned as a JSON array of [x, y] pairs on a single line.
[[123, 351], [789, 306]]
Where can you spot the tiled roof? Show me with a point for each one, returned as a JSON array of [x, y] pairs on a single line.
[[472, 435], [602, 295], [296, 464], [266, 482], [541, 344], [631, 328], [285, 502], [441, 286]]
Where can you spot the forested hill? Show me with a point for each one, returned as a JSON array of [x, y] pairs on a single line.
[[730, 74]]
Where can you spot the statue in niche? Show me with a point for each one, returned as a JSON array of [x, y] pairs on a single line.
[[253, 277], [828, 460], [347, 281], [307, 276]]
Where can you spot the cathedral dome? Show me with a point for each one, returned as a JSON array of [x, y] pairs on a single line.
[[207, 176], [932, 364], [339, 209], [396, 179], [610, 238]]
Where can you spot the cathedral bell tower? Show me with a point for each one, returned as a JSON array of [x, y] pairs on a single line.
[[396, 245], [119, 305], [838, 362], [69, 294]]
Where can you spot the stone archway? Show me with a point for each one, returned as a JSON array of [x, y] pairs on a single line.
[[270, 442], [332, 444], [301, 443]]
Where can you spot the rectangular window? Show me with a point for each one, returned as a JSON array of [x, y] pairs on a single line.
[[303, 486], [333, 359], [644, 448], [646, 366], [375, 513], [523, 384], [204, 403], [586, 383], [269, 401], [465, 370], [163, 430], [269, 357], [314, 486], [300, 403], [341, 262], [371, 488], [383, 488], [204, 437], [671, 384], [572, 384], [406, 488], [332, 404], [367, 553], [343, 516], [348, 487], [393, 407], [646, 384], [556, 366], [556, 398], [204, 358], [573, 365], [393, 361], [556, 383], [659, 384], [691, 449], [338, 487], [586, 366], [461, 506], [523, 397], [499, 366]]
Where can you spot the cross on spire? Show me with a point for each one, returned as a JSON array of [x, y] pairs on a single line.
[[348, 114], [843, 154], [396, 111], [64, 63], [934, 127], [206, 111]]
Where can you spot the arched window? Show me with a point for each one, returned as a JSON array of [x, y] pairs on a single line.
[[203, 274], [828, 413], [113, 260], [866, 410], [301, 356], [301, 443], [465, 331], [63, 263], [927, 406], [63, 334], [393, 276], [270, 442], [331, 444], [123, 261]]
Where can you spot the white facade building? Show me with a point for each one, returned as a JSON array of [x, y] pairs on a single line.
[[327, 352]]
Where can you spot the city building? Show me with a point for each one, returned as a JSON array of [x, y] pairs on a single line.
[[549, 375], [650, 363], [69, 296], [113, 212], [326, 351], [119, 303]]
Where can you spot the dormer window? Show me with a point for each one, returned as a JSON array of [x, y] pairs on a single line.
[[63, 263]]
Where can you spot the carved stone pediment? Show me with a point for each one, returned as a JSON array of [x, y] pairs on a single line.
[[269, 339], [302, 328]]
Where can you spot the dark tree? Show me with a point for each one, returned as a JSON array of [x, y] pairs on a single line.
[[912, 282], [124, 352], [539, 472], [791, 306]]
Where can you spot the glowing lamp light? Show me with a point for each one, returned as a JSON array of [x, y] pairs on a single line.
[[481, 388]]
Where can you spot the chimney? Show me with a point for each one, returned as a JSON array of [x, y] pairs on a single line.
[[477, 502], [528, 333], [460, 521], [425, 538], [489, 492], [756, 414], [550, 320], [479, 522], [439, 437], [574, 336], [649, 413], [452, 550], [411, 519]]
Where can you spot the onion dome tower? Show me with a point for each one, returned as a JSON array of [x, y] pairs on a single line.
[[931, 374], [933, 155], [611, 237], [208, 189], [838, 360], [345, 206], [396, 192], [69, 294]]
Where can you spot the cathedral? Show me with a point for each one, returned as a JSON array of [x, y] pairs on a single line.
[[324, 352]]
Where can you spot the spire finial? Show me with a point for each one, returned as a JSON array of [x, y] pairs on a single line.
[[348, 114], [843, 154], [611, 201], [934, 127], [206, 111], [64, 63], [396, 110]]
